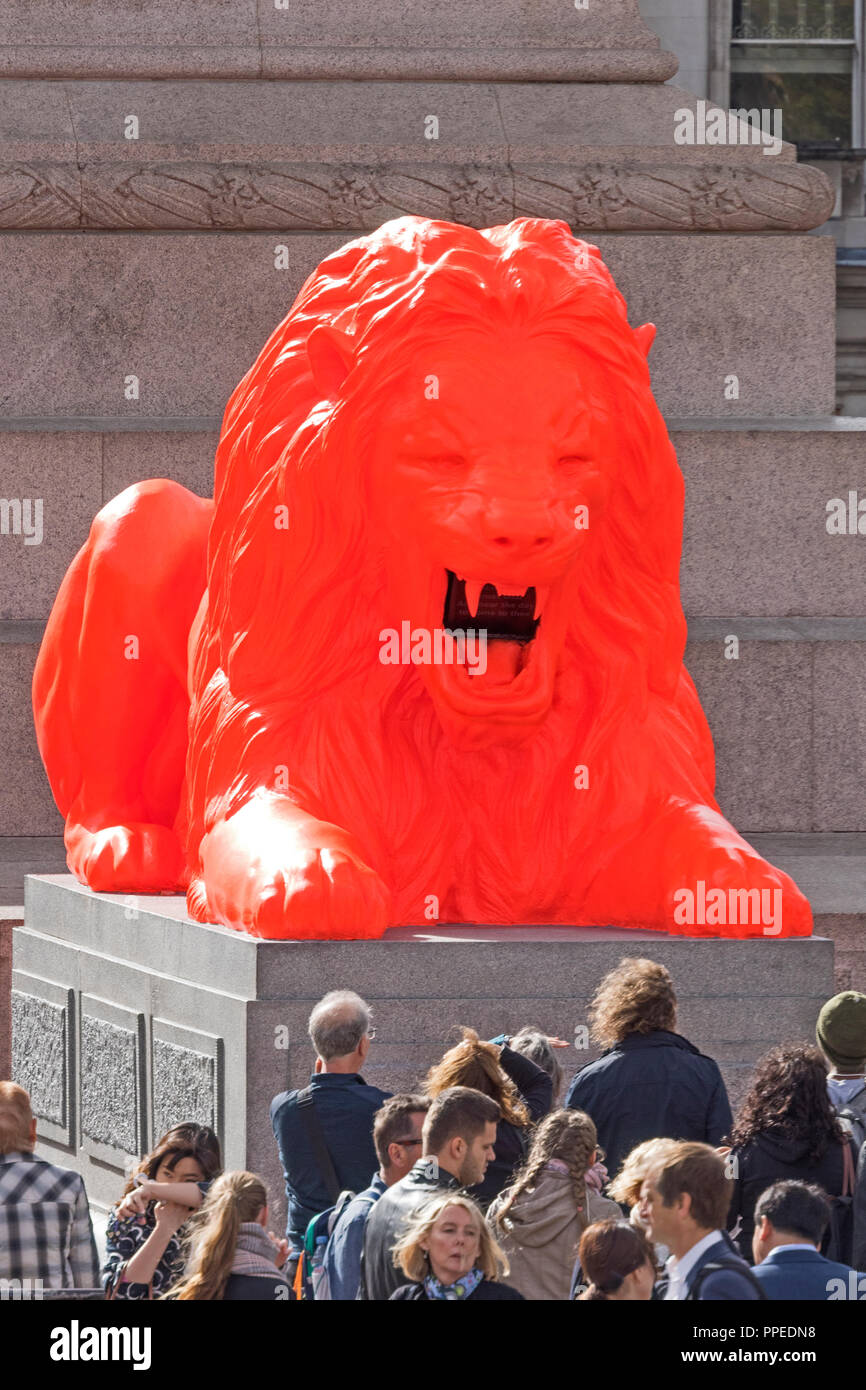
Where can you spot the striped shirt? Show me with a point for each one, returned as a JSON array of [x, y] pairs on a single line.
[[45, 1227]]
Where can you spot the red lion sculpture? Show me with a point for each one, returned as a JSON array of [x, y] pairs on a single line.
[[452, 431]]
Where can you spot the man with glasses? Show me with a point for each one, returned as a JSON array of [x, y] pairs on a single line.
[[324, 1132], [397, 1137]]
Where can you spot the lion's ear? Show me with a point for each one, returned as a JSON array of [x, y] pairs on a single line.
[[331, 357], [645, 336]]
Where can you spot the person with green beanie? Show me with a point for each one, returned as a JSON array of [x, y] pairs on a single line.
[[841, 1036]]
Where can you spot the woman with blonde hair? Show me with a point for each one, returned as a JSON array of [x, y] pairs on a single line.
[[644, 1159], [450, 1255], [540, 1218], [232, 1255], [521, 1088]]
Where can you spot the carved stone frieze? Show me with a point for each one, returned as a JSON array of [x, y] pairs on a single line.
[[596, 196]]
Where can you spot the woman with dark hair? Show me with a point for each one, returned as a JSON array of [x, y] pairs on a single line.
[[520, 1087], [617, 1260], [232, 1254], [540, 1218], [144, 1256], [785, 1129]]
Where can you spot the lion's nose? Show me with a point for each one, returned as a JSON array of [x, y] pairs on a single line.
[[518, 532]]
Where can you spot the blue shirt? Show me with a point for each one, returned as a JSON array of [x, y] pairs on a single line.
[[343, 1255], [345, 1106]]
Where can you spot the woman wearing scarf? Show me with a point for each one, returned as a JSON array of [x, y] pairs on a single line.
[[232, 1255], [450, 1255]]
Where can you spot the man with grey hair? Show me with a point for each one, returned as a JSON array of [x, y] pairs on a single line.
[[324, 1132]]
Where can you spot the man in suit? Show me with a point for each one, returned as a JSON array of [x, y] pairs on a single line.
[[684, 1205], [790, 1221]]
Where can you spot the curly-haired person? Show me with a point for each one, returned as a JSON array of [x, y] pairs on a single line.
[[650, 1082], [786, 1129]]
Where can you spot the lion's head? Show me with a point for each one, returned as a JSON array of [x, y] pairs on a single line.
[[455, 429]]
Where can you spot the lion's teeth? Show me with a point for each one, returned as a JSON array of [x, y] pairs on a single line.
[[541, 597], [473, 594]]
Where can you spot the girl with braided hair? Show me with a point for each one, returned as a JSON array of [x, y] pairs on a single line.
[[540, 1218]]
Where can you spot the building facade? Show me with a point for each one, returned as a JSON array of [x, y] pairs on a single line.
[[806, 59]]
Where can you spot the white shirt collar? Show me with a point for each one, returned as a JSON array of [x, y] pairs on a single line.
[[680, 1269]]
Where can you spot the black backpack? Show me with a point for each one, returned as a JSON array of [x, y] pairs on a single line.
[[738, 1266], [838, 1242]]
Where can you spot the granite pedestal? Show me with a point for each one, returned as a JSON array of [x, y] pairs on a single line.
[[128, 1017]]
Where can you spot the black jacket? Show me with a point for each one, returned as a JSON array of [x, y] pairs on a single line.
[[858, 1258], [512, 1142], [651, 1086], [345, 1107], [487, 1292], [248, 1288], [773, 1157], [379, 1277]]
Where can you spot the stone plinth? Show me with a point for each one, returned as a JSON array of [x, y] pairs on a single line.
[[318, 155], [552, 39], [146, 305], [9, 918], [130, 1017]]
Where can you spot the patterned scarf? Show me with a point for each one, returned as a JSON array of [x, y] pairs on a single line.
[[461, 1289], [255, 1253]]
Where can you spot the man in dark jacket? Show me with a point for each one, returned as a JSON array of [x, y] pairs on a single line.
[[339, 1121], [650, 1083], [459, 1135], [790, 1221]]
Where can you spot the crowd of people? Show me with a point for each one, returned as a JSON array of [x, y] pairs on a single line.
[[487, 1183]]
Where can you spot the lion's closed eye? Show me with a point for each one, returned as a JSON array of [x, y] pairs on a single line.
[[444, 460], [582, 461]]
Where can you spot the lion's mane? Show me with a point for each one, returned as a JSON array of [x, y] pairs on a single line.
[[285, 681]]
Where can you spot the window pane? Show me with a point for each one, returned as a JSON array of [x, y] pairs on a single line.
[[812, 86], [793, 19]]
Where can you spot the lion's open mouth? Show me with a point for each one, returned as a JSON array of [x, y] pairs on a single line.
[[509, 617], [511, 679]]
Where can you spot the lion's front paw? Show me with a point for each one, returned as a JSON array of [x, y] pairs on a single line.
[[290, 881], [735, 893], [134, 858]]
